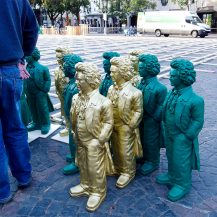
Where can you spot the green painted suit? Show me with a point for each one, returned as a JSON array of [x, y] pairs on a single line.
[[69, 91], [154, 94], [36, 89], [182, 125]]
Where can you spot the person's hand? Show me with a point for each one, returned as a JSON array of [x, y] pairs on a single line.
[[23, 72]]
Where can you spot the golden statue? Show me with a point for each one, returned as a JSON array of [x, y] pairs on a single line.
[[134, 58], [60, 83], [92, 123], [127, 109]]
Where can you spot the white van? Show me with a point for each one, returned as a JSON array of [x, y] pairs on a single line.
[[172, 23]]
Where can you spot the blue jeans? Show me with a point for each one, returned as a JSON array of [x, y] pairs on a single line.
[[14, 147]]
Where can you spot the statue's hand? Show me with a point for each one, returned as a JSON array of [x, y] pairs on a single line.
[[23, 72]]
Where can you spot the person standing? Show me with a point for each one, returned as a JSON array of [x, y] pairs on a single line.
[[18, 37]]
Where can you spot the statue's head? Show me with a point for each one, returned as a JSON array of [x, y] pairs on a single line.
[[182, 73], [148, 65], [88, 76], [60, 53], [121, 68], [35, 56], [70, 60], [134, 58], [106, 62]]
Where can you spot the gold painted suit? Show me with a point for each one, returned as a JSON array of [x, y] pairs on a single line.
[[92, 123], [60, 83], [125, 140]]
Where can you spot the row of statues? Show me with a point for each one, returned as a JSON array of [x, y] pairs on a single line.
[[124, 120]]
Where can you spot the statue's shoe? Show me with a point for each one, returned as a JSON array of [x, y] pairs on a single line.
[[70, 169], [177, 192], [45, 129], [94, 202], [69, 158], [148, 168], [163, 179], [64, 132], [33, 126], [77, 191], [124, 180]]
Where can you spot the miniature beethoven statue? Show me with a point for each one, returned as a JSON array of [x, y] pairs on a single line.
[[127, 109], [92, 122], [183, 117], [134, 58], [107, 81], [154, 94], [70, 90], [37, 87], [60, 83]]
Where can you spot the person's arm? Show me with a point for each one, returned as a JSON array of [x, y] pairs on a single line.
[[30, 29]]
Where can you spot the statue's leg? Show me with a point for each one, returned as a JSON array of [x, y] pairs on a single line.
[[43, 111], [167, 178], [151, 145], [181, 163], [96, 171], [71, 168], [127, 158], [35, 125], [82, 189]]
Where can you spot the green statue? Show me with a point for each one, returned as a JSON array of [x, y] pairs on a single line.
[[154, 94], [36, 88], [25, 112], [107, 81], [70, 90], [183, 117]]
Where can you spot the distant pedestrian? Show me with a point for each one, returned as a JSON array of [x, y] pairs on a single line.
[[18, 36]]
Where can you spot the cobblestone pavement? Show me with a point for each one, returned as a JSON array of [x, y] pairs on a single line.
[[48, 194]]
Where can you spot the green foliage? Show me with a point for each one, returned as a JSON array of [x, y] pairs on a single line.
[[182, 3], [74, 6]]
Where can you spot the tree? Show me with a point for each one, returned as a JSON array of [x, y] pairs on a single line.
[[54, 9], [122, 8], [74, 6], [183, 3]]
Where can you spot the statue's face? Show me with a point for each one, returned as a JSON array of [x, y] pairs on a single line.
[[106, 66], [175, 80], [81, 81], [69, 70], [142, 70], [29, 59], [115, 73]]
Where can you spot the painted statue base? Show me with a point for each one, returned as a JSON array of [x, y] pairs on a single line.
[[33, 135]]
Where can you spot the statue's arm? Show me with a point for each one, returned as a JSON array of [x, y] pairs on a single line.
[[197, 119], [137, 108], [160, 97], [106, 125]]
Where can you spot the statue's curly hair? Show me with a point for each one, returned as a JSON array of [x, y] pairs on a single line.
[[151, 63], [36, 54], [109, 55], [125, 67], [185, 70], [91, 73], [62, 51], [70, 60]]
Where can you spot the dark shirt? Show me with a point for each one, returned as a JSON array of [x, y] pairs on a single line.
[[18, 30]]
